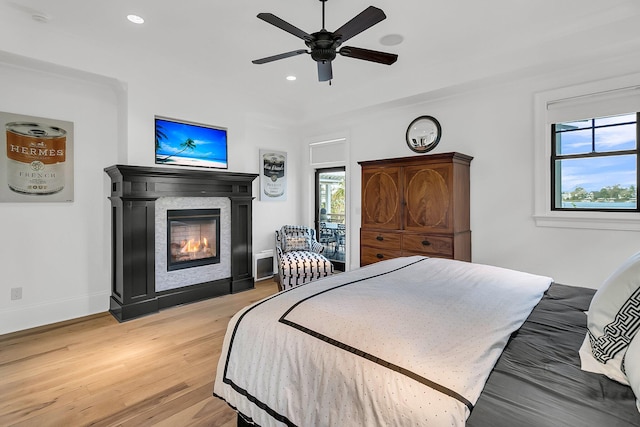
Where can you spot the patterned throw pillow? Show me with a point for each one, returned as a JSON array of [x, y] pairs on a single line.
[[297, 243], [632, 367], [613, 320]]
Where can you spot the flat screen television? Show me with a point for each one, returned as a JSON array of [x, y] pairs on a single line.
[[182, 143]]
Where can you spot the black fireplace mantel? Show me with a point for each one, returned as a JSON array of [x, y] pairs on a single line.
[[134, 191]]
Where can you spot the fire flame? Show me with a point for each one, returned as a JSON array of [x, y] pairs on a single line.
[[194, 246]]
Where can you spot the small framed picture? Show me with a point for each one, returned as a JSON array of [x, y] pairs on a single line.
[[273, 175]]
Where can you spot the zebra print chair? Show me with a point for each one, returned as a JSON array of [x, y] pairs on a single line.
[[300, 258]]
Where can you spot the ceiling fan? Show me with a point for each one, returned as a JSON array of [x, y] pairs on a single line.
[[323, 44]]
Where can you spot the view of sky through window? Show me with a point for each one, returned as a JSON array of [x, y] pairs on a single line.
[[596, 162]]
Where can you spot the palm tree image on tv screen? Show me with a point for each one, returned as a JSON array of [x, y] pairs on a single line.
[[180, 143]]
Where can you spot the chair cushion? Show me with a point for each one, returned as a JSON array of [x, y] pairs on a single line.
[[299, 267]]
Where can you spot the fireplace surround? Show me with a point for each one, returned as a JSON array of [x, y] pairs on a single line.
[[134, 192]]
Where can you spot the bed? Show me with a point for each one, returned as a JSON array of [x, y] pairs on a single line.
[[418, 341]]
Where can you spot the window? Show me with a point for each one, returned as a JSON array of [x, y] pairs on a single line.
[[586, 140], [594, 164]]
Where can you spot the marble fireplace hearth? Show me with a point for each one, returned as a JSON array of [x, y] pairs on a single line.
[[138, 195]]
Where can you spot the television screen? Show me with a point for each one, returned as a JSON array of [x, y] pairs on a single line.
[[180, 143]]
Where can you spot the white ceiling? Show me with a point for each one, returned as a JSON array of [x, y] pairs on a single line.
[[446, 43]]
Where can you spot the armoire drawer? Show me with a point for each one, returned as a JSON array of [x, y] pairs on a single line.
[[370, 255], [427, 244], [382, 240]]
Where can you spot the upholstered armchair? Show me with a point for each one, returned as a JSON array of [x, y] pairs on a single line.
[[300, 258]]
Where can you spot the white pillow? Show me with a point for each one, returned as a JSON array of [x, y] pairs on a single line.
[[612, 321], [297, 243], [632, 367]]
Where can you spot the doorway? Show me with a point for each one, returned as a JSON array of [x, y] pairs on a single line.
[[330, 214]]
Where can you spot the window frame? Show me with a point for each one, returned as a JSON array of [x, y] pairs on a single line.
[[593, 154], [543, 215]]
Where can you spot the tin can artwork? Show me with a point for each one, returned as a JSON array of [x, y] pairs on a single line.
[[36, 156], [273, 171]]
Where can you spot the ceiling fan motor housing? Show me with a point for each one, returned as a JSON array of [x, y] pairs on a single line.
[[323, 45]]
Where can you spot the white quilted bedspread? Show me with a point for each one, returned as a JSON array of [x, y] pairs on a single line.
[[405, 342]]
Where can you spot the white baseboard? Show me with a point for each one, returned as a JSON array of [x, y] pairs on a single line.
[[31, 316]]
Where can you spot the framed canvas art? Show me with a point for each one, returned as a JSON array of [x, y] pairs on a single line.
[[273, 175], [37, 165]]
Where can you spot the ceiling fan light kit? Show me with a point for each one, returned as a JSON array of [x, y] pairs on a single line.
[[324, 44]]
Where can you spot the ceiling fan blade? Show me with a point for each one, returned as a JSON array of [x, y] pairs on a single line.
[[368, 55], [367, 18], [325, 71], [280, 56], [284, 25]]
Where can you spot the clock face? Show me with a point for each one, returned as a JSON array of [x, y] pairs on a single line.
[[423, 134]]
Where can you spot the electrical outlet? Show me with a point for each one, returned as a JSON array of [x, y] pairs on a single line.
[[16, 293]]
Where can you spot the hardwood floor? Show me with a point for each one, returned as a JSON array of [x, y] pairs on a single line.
[[153, 371]]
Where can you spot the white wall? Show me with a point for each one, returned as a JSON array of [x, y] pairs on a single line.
[[59, 253], [493, 121]]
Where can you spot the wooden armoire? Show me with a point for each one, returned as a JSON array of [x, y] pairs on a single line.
[[416, 205]]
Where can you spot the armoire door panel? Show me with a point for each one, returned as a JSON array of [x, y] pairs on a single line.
[[428, 198], [382, 198]]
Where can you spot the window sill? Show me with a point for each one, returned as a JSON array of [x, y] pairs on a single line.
[[590, 220]]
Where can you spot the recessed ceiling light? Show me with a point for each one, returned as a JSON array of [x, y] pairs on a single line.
[[135, 19], [291, 78], [391, 39]]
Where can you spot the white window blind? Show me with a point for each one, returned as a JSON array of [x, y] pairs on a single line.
[[602, 104], [324, 152]]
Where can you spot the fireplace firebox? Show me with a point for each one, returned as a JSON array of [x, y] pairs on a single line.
[[193, 238]]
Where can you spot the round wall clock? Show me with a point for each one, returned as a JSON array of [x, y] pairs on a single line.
[[423, 134]]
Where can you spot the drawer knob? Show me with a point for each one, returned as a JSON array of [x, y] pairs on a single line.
[[379, 256], [379, 238], [426, 243]]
